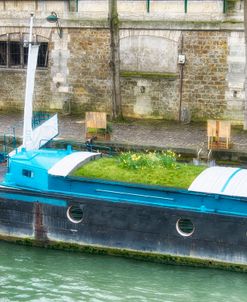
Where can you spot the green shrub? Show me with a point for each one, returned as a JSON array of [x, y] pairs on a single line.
[[168, 159], [132, 160]]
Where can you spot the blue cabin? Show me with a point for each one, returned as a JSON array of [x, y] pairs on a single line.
[[33, 169]]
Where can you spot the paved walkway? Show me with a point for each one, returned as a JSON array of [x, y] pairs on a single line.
[[143, 133]]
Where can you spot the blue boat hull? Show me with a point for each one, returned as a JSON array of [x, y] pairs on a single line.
[[124, 228]]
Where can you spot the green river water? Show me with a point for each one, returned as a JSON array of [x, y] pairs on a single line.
[[33, 274]]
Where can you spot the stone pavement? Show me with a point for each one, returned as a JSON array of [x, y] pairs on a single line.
[[152, 133]]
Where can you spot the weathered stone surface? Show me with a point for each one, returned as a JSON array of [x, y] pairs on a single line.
[[89, 70], [12, 90], [78, 77], [205, 73], [151, 51], [150, 98]]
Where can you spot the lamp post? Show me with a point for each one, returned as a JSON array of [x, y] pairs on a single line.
[[53, 18]]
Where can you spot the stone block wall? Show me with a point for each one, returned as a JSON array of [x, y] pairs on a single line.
[[12, 90], [150, 98], [149, 83], [34, 5], [234, 93], [89, 70], [78, 77], [205, 73]]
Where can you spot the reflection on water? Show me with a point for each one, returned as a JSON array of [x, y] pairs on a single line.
[[32, 274]]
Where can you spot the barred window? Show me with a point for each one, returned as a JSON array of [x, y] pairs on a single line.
[[14, 52]]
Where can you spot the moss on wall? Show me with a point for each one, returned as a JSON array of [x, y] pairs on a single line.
[[231, 4], [148, 75]]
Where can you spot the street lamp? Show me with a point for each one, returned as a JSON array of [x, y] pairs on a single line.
[[53, 18]]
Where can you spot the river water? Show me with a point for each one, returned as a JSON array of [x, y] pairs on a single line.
[[33, 274]]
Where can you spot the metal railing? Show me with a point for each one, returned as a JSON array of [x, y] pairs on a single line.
[[148, 5]]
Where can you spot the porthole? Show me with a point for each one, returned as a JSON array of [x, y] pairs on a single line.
[[75, 214], [185, 227]]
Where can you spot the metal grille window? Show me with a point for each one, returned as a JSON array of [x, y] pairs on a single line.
[[149, 3], [3, 53], [43, 55], [14, 52]]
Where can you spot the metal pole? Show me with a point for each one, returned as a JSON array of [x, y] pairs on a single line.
[[185, 6], [148, 6], [27, 123], [30, 33], [225, 6], [181, 83], [245, 82], [115, 60]]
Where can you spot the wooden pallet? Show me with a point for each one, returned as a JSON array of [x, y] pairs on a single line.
[[96, 126], [219, 134]]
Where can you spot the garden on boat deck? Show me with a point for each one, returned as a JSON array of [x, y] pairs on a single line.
[[154, 168]]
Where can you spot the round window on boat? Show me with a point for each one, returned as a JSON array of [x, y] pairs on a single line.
[[185, 227], [75, 214]]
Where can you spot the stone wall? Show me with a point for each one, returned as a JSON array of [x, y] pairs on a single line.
[[149, 83], [136, 8], [234, 93], [78, 77], [89, 70], [12, 90], [205, 73], [150, 98], [34, 5]]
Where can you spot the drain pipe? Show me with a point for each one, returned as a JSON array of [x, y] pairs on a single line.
[[148, 6], [181, 62], [185, 6], [225, 6]]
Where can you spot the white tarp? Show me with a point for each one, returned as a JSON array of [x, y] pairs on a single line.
[[45, 132], [71, 162], [41, 135], [221, 180], [34, 138], [28, 108]]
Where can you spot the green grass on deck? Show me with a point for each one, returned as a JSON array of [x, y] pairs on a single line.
[[108, 168]]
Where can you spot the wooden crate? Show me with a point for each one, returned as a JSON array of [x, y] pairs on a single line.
[[219, 134], [96, 125]]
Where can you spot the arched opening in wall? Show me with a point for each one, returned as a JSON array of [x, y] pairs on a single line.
[[148, 53], [149, 73], [14, 50]]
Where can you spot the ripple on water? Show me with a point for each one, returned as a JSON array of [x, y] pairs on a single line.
[[32, 274]]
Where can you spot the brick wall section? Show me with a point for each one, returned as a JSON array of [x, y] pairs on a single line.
[[205, 73], [12, 90], [89, 70], [89, 80], [150, 98], [42, 91]]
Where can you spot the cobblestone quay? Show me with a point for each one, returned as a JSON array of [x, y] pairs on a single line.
[[189, 138]]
